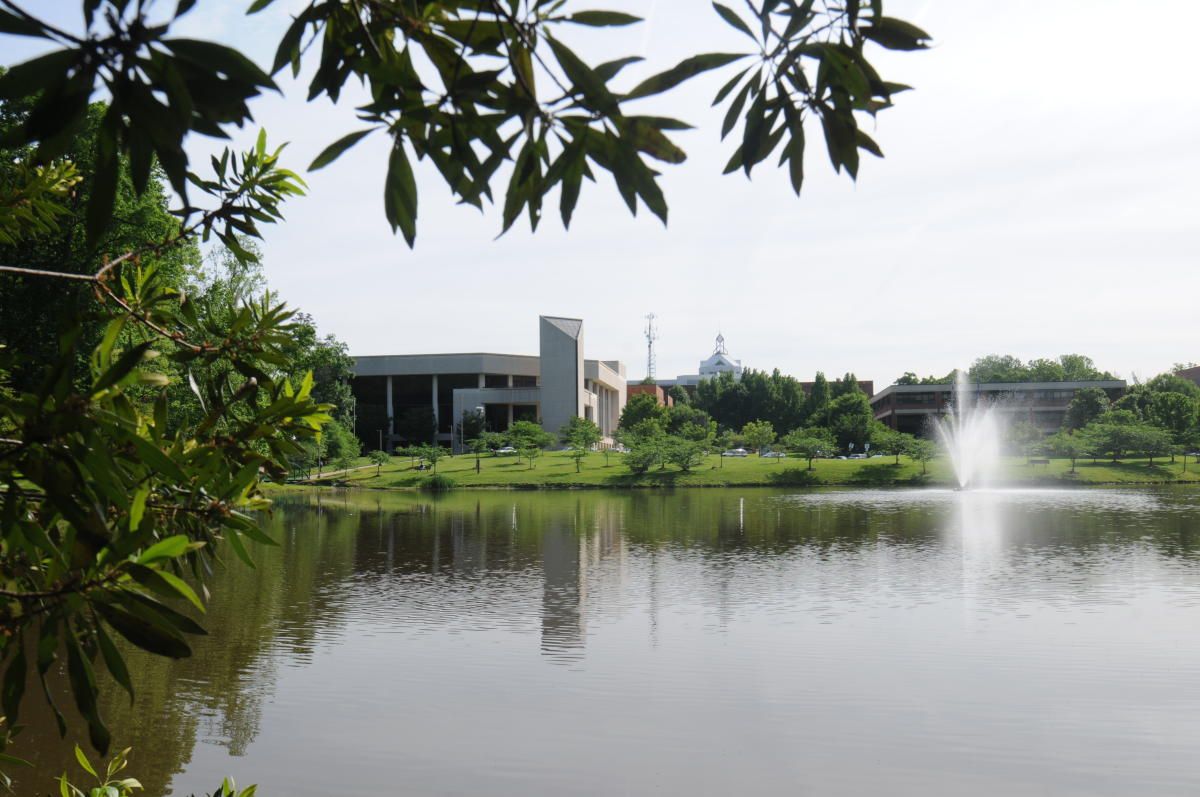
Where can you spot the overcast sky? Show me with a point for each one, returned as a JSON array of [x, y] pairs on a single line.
[[1038, 197]]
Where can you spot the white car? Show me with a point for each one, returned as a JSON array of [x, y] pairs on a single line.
[[735, 452], [506, 450], [773, 454]]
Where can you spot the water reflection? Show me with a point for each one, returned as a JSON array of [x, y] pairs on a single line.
[[719, 641]]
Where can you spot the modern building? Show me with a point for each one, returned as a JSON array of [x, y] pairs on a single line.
[[717, 363], [910, 408], [550, 388]]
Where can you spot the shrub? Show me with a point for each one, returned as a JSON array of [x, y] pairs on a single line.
[[437, 483]]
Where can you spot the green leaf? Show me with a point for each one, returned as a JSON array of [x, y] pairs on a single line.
[[29, 77], [735, 109], [602, 19], [83, 687], [400, 193], [896, 34], [164, 583], [13, 688], [335, 150], [113, 660], [734, 20], [170, 548], [83, 762], [609, 69], [684, 70], [235, 542], [104, 180], [645, 135], [137, 507], [143, 633], [583, 78], [210, 57], [19, 26], [121, 368]]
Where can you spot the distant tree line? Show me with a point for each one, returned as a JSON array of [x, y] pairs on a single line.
[[1006, 368]]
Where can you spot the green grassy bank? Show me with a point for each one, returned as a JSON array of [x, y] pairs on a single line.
[[557, 470]]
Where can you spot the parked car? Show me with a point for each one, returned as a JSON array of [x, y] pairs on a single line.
[[735, 452], [620, 449], [506, 450], [774, 454]]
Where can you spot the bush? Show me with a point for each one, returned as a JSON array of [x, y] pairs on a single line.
[[437, 483], [641, 458]]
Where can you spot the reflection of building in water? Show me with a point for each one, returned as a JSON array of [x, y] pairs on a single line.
[[573, 556]]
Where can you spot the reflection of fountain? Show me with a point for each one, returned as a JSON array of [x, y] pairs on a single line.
[[971, 434]]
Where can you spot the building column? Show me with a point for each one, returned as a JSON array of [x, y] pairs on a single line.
[[482, 380], [510, 416], [436, 419], [391, 426]]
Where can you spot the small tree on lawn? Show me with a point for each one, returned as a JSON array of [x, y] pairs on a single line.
[[685, 453], [431, 454], [1025, 436], [529, 439], [888, 441], [810, 443], [922, 450], [477, 446], [492, 441], [1189, 442], [579, 435], [646, 442], [759, 435], [1065, 444], [379, 459], [1153, 441]]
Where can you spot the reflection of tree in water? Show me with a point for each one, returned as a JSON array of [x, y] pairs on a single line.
[[216, 696]]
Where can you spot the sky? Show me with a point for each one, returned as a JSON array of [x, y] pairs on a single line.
[[1037, 198]]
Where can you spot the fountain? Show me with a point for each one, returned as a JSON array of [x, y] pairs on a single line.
[[970, 432]]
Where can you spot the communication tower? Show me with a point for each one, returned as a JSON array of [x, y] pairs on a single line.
[[651, 336]]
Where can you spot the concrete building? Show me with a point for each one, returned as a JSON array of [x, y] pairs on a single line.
[[716, 363], [400, 395], [910, 408]]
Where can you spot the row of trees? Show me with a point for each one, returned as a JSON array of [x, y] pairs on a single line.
[[1007, 368], [778, 398], [1158, 418]]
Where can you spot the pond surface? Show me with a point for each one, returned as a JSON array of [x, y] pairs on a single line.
[[706, 642]]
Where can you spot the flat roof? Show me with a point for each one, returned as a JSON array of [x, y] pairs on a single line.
[[1013, 387]]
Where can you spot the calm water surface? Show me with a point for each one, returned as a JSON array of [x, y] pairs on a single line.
[[706, 642]]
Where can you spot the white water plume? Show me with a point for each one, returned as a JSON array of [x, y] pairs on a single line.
[[970, 432]]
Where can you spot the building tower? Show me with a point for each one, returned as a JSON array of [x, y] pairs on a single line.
[[720, 348], [651, 336]]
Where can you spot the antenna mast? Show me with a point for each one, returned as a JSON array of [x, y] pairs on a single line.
[[651, 336]]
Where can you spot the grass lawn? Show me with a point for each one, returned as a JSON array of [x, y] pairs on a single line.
[[557, 469]]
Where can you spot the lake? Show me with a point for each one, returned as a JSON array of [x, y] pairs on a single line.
[[703, 642]]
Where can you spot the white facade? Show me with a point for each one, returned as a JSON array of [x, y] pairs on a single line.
[[550, 388], [718, 362]]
